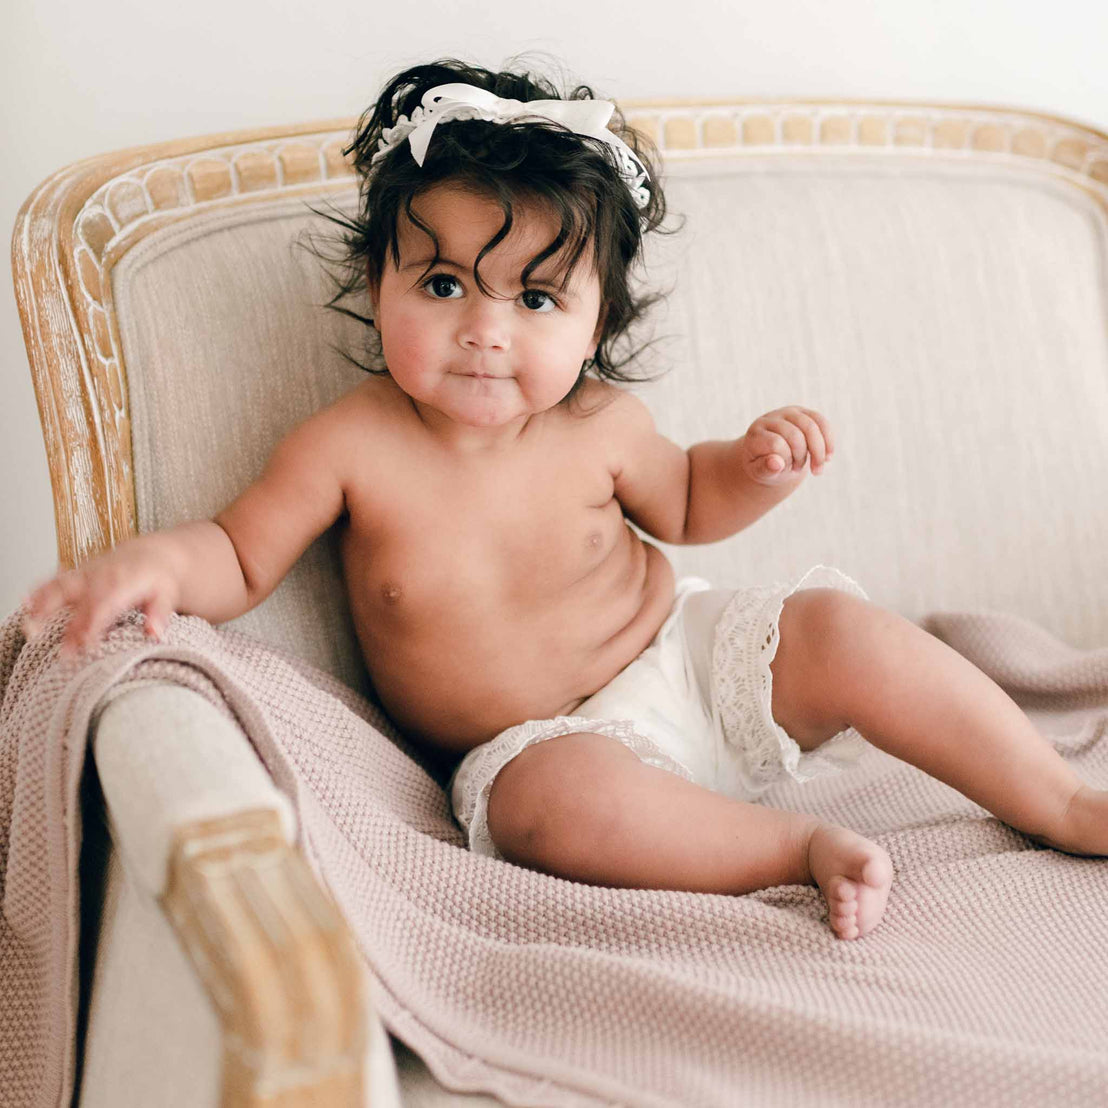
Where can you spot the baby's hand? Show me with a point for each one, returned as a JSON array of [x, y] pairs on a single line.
[[777, 445], [136, 574]]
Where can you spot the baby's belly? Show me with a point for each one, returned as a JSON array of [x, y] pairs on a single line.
[[477, 668]]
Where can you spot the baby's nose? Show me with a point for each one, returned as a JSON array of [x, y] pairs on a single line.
[[486, 326]]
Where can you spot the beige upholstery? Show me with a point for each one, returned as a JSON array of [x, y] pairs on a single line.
[[153, 1037], [950, 320], [933, 279], [220, 316], [152, 1034]]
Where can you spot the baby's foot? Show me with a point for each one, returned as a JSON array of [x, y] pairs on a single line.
[[1084, 827], [854, 875]]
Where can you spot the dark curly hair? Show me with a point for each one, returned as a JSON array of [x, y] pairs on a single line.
[[574, 176]]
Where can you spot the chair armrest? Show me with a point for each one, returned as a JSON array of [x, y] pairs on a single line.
[[202, 827], [167, 758]]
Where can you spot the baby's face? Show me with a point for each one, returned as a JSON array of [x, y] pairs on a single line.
[[483, 361]]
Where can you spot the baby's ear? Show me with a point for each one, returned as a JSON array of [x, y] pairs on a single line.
[[597, 335], [372, 288]]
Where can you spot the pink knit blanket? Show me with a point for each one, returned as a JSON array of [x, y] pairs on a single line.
[[986, 983]]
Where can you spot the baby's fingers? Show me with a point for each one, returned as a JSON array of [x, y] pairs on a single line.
[[50, 597], [824, 428], [785, 439], [806, 437], [817, 434], [158, 611], [807, 434], [102, 604]]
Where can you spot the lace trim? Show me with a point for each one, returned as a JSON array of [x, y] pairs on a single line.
[[745, 643], [474, 777]]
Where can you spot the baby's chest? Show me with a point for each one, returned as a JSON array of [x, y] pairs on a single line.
[[514, 543]]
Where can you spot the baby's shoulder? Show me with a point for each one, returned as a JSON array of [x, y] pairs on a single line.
[[608, 423], [375, 394], [601, 407], [368, 411], [363, 420]]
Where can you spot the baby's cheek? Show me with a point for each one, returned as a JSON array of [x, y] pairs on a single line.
[[407, 349]]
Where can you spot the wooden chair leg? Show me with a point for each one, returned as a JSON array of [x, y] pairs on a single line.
[[277, 961]]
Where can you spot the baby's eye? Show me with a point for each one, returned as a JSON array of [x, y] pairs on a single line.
[[538, 301], [443, 286]]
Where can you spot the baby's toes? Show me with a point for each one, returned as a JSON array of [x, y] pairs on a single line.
[[870, 905], [842, 907], [845, 925], [840, 891]]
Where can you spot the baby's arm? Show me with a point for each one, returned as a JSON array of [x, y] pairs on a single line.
[[713, 489], [218, 568], [732, 484]]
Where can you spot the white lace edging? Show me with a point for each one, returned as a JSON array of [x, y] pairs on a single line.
[[474, 777], [745, 643]]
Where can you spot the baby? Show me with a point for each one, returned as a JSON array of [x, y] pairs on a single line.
[[610, 724]]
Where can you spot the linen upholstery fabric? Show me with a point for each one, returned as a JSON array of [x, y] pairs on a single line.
[[151, 1029], [982, 986], [951, 321], [227, 348]]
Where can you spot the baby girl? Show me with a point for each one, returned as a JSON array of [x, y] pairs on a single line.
[[610, 724]]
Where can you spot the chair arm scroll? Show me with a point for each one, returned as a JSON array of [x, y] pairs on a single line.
[[277, 961], [205, 831]]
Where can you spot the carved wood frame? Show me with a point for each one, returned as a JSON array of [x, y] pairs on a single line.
[[68, 236]]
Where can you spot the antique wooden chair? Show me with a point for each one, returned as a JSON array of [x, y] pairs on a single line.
[[903, 267]]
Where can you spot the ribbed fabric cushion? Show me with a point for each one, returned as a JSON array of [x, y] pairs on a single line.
[[950, 322], [949, 319]]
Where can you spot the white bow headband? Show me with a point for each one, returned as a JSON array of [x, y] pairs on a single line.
[[445, 103]]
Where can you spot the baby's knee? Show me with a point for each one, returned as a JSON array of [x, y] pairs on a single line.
[[812, 661], [551, 804], [821, 618]]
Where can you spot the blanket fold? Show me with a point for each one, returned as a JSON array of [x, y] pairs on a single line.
[[985, 984]]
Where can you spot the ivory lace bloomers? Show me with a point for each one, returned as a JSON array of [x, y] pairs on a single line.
[[696, 702]]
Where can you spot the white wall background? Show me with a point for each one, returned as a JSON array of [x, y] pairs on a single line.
[[82, 79]]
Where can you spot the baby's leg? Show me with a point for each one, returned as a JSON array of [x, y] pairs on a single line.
[[584, 806], [841, 660]]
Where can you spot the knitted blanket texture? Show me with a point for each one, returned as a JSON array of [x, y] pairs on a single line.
[[985, 984]]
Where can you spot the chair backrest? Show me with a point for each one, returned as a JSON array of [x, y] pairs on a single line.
[[932, 278], [198, 339], [936, 281]]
